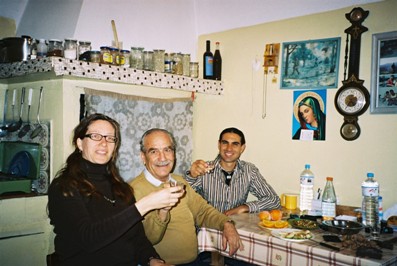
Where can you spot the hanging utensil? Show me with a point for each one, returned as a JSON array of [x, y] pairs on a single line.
[[39, 127], [17, 124], [4, 128], [26, 128]]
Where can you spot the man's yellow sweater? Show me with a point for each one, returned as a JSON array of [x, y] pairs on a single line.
[[175, 239]]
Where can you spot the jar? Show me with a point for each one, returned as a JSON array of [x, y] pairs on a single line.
[[177, 67], [95, 56], [194, 68], [136, 57], [148, 60], [42, 49], [55, 48], [70, 49], [106, 57], [125, 58], [158, 60], [167, 63], [115, 55], [186, 65], [84, 46]]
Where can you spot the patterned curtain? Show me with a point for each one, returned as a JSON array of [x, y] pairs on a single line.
[[138, 114]]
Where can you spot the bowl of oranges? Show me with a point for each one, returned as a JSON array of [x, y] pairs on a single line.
[[272, 219]]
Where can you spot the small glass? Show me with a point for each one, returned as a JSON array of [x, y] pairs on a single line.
[[55, 48], [84, 46], [174, 183], [136, 57], [210, 167], [186, 65]]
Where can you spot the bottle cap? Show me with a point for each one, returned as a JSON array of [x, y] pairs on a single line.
[[370, 174], [307, 166], [329, 178]]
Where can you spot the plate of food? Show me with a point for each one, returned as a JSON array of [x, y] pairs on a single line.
[[273, 224], [303, 224], [291, 234]]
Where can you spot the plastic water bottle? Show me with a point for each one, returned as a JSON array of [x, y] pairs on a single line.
[[328, 201], [380, 203], [370, 203], [306, 192]]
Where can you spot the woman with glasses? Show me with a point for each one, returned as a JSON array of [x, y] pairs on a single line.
[[96, 219]]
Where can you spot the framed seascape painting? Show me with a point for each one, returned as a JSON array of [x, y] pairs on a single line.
[[384, 73], [311, 64]]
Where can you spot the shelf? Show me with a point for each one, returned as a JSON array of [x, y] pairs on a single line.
[[66, 67]]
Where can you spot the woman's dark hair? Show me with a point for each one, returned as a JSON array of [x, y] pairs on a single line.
[[235, 131], [72, 178]]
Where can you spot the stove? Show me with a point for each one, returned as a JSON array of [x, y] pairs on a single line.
[[19, 166]]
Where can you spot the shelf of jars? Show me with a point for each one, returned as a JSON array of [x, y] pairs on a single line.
[[75, 68]]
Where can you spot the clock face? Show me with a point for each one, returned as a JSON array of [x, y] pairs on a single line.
[[350, 131], [351, 101], [356, 15]]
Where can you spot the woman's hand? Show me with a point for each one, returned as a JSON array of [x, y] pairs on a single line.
[[157, 262], [164, 198]]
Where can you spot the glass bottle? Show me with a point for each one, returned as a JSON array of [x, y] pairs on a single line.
[[208, 62], [328, 201], [106, 57], [42, 48], [306, 189], [217, 63]]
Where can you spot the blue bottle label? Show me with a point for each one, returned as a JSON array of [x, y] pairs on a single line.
[[209, 66]]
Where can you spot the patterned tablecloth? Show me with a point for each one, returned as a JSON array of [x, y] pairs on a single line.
[[262, 248]]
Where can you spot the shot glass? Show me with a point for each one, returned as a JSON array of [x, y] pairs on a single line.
[[174, 183], [210, 168]]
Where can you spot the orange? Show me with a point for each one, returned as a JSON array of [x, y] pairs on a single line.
[[276, 215], [264, 215], [280, 224], [267, 223]]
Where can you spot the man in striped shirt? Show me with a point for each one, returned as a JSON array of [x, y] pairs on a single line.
[[226, 182]]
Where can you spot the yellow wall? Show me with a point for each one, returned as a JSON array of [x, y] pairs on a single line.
[[269, 143]]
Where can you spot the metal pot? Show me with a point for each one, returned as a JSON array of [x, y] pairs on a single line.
[[15, 49], [342, 227]]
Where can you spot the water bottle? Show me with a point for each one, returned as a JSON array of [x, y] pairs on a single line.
[[328, 201], [380, 203], [370, 203], [306, 192]]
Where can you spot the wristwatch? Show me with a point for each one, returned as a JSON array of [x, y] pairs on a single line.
[[187, 173]]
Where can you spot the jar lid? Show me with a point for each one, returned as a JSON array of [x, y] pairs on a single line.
[[84, 42], [70, 40], [137, 48], [125, 51], [113, 49], [95, 52], [104, 47], [55, 40]]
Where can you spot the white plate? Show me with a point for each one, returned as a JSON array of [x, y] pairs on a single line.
[[279, 233]]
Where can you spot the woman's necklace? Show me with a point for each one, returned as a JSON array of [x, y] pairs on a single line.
[[112, 201]]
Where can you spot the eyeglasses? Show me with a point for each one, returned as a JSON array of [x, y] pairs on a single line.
[[98, 137]]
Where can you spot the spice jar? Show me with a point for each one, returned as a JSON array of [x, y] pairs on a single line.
[[106, 57], [115, 55], [55, 48], [194, 67], [186, 65], [95, 56], [84, 46], [125, 58], [158, 60], [167, 63], [148, 60], [177, 67], [136, 57], [70, 49]]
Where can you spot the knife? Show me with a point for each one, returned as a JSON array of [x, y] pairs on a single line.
[[326, 245]]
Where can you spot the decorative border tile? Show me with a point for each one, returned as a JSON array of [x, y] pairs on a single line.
[[76, 68]]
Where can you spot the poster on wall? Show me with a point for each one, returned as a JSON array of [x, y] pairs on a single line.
[[309, 115], [311, 64]]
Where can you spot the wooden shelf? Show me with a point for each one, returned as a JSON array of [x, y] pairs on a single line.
[[75, 68]]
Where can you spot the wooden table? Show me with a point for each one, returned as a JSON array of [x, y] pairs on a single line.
[[262, 248]]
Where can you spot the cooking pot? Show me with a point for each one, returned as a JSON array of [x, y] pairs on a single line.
[[15, 49], [342, 227]]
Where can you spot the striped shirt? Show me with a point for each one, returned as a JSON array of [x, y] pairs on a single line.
[[246, 179]]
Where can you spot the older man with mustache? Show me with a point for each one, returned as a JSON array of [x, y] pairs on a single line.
[[172, 230]]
